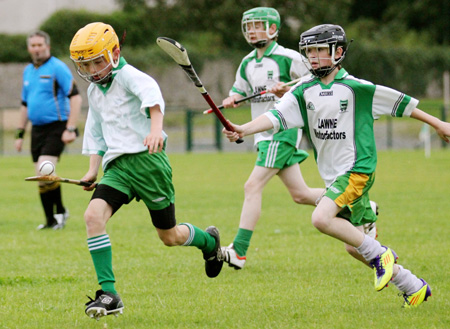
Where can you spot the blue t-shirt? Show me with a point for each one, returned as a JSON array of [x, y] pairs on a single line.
[[45, 91]]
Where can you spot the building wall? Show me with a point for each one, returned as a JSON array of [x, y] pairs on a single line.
[[177, 89], [24, 16]]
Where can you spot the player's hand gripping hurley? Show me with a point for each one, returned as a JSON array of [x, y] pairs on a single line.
[[180, 56], [290, 83]]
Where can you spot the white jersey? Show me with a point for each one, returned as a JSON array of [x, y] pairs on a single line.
[[118, 118], [339, 120], [257, 74]]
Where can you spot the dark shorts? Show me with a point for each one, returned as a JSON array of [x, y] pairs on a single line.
[[163, 219], [46, 139], [144, 176]]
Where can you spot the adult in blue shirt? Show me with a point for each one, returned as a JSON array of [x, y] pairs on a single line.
[[50, 100]]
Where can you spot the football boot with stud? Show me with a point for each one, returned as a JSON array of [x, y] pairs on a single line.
[[383, 266], [232, 258], [213, 259], [105, 303], [418, 297]]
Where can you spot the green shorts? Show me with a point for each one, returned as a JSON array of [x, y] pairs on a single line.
[[278, 154], [142, 176], [351, 192]]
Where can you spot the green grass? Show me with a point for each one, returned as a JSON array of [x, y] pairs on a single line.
[[295, 277]]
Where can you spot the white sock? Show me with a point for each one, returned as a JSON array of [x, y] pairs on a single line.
[[407, 282], [370, 248]]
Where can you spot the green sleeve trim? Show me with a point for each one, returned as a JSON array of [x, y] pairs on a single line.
[[101, 153], [280, 121], [402, 106]]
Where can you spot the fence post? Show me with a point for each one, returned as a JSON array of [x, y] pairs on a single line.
[[2, 133], [443, 118], [218, 133], [189, 117], [389, 132], [446, 92]]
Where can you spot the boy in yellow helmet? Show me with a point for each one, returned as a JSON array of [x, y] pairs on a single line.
[[124, 133]]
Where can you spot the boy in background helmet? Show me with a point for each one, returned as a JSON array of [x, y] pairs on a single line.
[[124, 133], [268, 66], [337, 111]]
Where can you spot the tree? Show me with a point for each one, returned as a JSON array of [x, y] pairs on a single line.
[[432, 16], [131, 5], [405, 19]]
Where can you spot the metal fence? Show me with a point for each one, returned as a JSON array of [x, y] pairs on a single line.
[[190, 131]]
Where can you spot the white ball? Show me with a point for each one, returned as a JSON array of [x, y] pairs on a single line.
[[46, 168]]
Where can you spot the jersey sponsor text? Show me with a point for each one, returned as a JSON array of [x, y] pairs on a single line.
[[263, 99], [327, 123], [326, 135]]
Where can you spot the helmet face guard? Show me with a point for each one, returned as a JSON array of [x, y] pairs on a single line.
[[326, 36], [92, 49], [260, 19], [97, 70]]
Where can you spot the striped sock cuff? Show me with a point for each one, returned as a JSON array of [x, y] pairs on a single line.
[[191, 234], [99, 242]]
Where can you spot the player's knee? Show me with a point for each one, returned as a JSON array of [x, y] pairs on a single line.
[[251, 187], [93, 220], [89, 217], [319, 221], [301, 198]]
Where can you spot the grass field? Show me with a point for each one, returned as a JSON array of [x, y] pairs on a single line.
[[295, 277]]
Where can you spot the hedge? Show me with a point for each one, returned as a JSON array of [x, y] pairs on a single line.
[[411, 70]]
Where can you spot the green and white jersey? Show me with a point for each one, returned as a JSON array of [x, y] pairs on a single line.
[[118, 118], [257, 74], [338, 119]]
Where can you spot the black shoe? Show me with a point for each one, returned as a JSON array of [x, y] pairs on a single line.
[[105, 303], [214, 259]]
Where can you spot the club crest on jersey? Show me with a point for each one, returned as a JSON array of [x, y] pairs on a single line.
[[310, 106], [270, 75], [344, 105]]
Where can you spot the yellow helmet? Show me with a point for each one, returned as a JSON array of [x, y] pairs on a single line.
[[92, 42]]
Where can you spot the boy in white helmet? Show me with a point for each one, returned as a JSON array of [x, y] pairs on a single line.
[[124, 133], [268, 66], [337, 111]]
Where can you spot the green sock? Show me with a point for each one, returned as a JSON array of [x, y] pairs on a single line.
[[200, 239], [101, 252], [242, 241]]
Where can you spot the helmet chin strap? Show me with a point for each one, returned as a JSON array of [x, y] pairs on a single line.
[[106, 79], [324, 71], [259, 44]]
